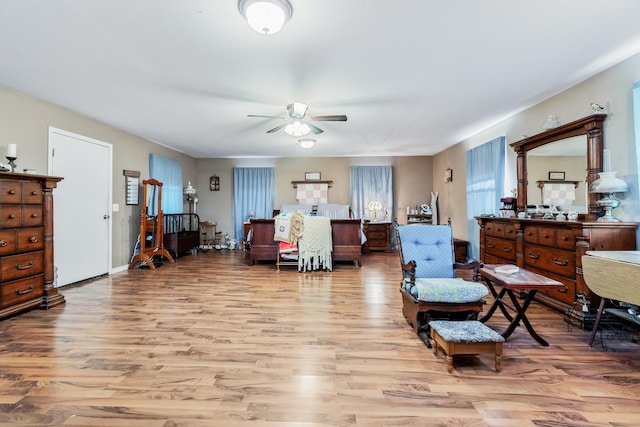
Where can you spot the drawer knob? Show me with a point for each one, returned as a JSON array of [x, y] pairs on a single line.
[[35, 215], [3, 243], [491, 245], [12, 192], [506, 249], [24, 267], [12, 216], [33, 239], [34, 193], [562, 263], [26, 291], [534, 256]]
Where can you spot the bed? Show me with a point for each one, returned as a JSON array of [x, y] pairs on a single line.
[[346, 234], [181, 233]]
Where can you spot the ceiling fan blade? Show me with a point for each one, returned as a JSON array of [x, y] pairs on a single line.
[[315, 129], [336, 118], [276, 129], [266, 117]]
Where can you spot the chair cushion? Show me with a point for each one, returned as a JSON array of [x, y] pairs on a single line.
[[430, 246], [446, 290]]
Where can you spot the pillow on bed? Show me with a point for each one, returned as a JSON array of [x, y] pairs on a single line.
[[306, 209], [333, 211]]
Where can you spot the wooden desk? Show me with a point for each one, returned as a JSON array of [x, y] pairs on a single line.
[[523, 280]]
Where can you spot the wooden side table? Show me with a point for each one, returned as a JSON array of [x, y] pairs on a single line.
[[378, 236], [523, 280]]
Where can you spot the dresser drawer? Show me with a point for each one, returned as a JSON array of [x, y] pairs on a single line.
[[31, 193], [31, 216], [547, 236], [10, 191], [30, 239], [10, 216], [18, 266], [7, 241], [21, 290], [530, 234], [550, 259], [500, 247], [376, 235], [565, 239]]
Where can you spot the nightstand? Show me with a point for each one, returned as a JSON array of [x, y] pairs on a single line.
[[378, 236]]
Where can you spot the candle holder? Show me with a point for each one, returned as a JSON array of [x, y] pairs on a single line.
[[12, 163]]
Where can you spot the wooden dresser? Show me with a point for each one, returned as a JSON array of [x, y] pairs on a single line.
[[26, 243], [553, 249], [378, 236]]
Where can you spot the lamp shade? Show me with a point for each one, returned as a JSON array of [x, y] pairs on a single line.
[[266, 16], [189, 190], [307, 143], [608, 183], [297, 128]]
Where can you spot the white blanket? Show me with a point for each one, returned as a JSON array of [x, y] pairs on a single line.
[[316, 245]]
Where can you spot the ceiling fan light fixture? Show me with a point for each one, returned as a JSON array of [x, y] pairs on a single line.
[[297, 128], [266, 16], [307, 143]]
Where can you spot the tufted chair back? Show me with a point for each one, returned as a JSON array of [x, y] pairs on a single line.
[[430, 246]]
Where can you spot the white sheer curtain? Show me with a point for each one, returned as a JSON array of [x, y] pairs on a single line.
[[169, 173], [485, 183], [371, 183], [254, 190]]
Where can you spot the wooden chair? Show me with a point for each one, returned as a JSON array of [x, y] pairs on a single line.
[[429, 287]]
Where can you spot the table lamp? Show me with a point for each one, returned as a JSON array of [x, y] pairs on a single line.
[[608, 184]]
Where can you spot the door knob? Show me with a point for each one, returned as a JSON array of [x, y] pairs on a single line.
[[106, 217]]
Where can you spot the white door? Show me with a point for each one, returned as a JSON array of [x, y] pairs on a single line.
[[82, 206]]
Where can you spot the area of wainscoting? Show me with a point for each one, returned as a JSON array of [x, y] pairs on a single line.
[[212, 341]]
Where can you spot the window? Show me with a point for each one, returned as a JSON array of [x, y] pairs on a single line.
[[371, 184], [485, 178], [253, 191], [169, 173]]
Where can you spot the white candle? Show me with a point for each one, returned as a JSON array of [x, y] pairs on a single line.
[[11, 150]]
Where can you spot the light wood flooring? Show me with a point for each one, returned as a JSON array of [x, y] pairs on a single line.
[[211, 341]]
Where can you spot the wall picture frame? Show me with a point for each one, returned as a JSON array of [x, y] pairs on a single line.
[[312, 176], [556, 176], [214, 183], [132, 186]]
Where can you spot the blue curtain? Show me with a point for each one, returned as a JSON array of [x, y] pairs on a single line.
[[169, 173], [636, 125], [254, 190], [485, 185], [371, 183]]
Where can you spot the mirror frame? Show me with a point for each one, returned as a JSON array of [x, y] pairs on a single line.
[[591, 126]]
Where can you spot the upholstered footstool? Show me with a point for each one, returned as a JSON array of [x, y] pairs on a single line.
[[465, 337]]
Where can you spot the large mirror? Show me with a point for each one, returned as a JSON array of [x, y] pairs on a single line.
[[559, 170], [554, 156]]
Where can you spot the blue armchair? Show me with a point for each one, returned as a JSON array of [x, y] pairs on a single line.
[[430, 288]]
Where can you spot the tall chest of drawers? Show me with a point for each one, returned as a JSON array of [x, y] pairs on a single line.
[[553, 249], [26, 243]]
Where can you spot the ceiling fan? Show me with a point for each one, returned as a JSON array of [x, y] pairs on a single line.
[[298, 120]]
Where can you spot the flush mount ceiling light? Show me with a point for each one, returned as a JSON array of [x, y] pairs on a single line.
[[266, 16], [307, 142], [297, 128]]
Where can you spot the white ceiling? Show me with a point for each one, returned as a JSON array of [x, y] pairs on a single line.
[[413, 76]]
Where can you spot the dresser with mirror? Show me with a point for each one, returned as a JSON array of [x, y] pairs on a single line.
[[554, 247]]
